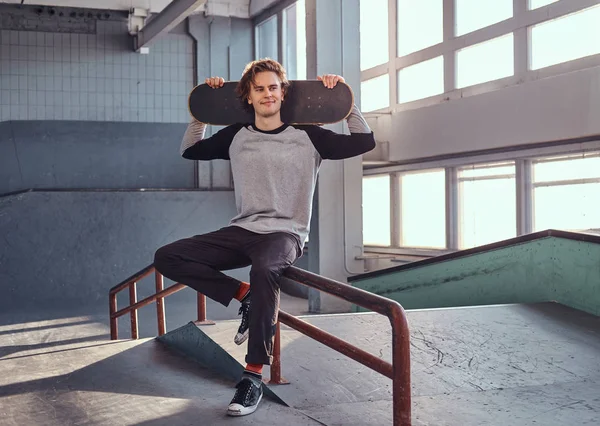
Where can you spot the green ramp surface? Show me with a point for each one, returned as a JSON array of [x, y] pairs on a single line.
[[540, 267]]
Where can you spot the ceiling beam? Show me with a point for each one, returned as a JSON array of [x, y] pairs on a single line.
[[165, 21]]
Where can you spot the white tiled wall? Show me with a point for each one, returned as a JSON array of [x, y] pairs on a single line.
[[67, 76]]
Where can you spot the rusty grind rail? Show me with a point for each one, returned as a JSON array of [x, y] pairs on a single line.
[[398, 370]]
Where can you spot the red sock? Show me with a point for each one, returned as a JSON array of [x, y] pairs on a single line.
[[255, 368], [243, 290]]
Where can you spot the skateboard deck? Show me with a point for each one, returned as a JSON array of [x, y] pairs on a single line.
[[307, 102]]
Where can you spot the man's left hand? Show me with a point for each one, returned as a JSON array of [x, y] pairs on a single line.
[[330, 80]]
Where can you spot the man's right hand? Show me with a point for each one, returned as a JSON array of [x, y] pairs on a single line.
[[215, 82]]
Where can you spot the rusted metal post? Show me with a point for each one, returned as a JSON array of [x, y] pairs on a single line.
[[201, 307], [202, 311], [401, 363], [133, 314], [114, 330], [160, 306], [276, 378]]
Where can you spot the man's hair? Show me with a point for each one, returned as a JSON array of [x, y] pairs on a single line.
[[245, 84]]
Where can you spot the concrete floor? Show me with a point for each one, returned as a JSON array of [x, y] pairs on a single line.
[[61, 368], [496, 365], [518, 365]]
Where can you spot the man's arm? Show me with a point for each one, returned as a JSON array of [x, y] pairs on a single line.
[[336, 146], [195, 147]]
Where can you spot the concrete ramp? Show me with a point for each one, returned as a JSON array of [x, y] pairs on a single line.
[[506, 364]]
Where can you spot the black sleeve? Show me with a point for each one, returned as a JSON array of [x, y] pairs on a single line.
[[214, 147], [336, 146]]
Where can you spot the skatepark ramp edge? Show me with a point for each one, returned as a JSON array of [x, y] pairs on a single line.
[[545, 266]]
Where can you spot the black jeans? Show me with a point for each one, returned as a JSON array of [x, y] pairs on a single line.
[[198, 260]]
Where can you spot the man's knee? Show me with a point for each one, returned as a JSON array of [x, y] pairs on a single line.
[[163, 258], [262, 271], [266, 275]]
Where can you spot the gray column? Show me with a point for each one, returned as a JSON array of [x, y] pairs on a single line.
[[333, 47], [224, 47]]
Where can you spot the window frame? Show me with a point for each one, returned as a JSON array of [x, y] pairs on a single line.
[[275, 10], [523, 18], [278, 35], [498, 176], [524, 161]]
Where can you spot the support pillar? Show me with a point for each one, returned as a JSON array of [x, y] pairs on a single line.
[[332, 33]]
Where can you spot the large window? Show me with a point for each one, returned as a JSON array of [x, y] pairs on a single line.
[[266, 39], [423, 209], [294, 21], [557, 192], [420, 24], [375, 93], [486, 38], [376, 210], [570, 37], [472, 15], [374, 38], [490, 60], [486, 204], [566, 193], [421, 80]]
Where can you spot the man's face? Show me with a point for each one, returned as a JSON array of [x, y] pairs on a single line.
[[266, 94]]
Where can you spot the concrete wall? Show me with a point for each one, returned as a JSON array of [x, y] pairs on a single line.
[[61, 75], [62, 249], [559, 107], [80, 109], [92, 154]]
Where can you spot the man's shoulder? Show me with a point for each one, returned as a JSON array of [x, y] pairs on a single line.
[[233, 129], [238, 126]]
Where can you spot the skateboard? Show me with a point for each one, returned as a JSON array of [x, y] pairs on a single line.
[[306, 102]]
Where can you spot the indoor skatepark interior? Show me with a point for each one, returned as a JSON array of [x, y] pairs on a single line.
[[451, 276]]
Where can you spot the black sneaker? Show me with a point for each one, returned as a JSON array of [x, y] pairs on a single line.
[[246, 399], [242, 334]]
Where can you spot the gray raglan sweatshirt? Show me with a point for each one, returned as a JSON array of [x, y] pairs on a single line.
[[275, 172]]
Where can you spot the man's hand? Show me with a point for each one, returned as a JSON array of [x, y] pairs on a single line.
[[330, 80], [215, 82]]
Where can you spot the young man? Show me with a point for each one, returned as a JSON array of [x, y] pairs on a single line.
[[274, 167]]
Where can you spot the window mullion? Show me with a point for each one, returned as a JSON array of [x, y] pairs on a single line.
[[528, 196], [452, 227], [524, 191], [393, 43], [395, 207], [280, 36], [449, 56]]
